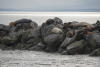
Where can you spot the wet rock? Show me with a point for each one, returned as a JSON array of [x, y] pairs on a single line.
[[30, 38], [70, 24], [52, 34], [87, 49], [39, 47], [23, 34], [20, 46], [64, 44], [78, 25], [95, 52], [97, 25], [76, 47], [24, 24], [74, 36], [4, 30], [10, 40], [93, 40], [2, 46], [84, 24], [27, 32]]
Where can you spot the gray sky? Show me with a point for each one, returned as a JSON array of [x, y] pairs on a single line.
[[49, 5]]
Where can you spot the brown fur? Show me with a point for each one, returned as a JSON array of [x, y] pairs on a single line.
[[11, 24]]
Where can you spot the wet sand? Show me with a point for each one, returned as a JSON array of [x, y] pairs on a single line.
[[24, 58]]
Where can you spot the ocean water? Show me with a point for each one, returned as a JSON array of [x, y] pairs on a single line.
[[40, 17]]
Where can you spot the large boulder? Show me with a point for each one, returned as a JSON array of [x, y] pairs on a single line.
[[93, 40], [64, 44], [30, 38], [4, 31], [77, 47], [75, 36], [10, 40], [24, 33], [28, 33], [52, 34], [23, 24]]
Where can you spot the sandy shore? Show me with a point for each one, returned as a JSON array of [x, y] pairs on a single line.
[[42, 59]]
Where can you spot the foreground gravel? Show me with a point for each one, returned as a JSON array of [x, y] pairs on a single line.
[[18, 58]]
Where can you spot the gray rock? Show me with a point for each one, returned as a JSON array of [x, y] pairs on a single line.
[[95, 52], [64, 44], [52, 34], [39, 47], [94, 40], [76, 47], [23, 24], [30, 38]]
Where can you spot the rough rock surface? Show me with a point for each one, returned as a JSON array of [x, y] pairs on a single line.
[[52, 34]]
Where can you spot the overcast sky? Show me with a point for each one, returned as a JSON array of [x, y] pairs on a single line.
[[49, 5]]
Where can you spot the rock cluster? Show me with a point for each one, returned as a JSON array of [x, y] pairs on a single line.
[[52, 36]]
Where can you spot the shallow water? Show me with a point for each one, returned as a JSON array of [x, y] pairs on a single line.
[[39, 17]]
